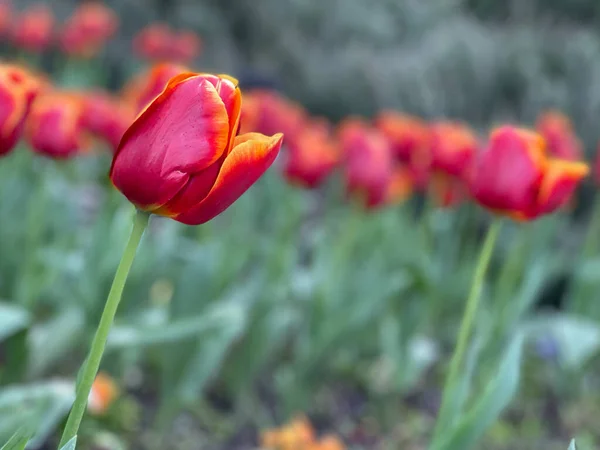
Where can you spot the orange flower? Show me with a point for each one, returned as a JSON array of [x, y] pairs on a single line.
[[33, 28], [88, 29], [368, 162], [401, 185], [329, 442], [145, 87], [515, 177], [311, 156], [298, 435], [557, 130], [103, 394], [181, 157], [106, 117], [54, 126], [18, 89]]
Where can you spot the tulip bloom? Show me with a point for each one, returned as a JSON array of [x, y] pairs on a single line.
[[181, 157], [408, 136], [103, 394], [18, 89], [144, 88], [311, 156], [557, 130], [54, 127], [6, 17], [185, 46], [87, 30], [368, 162], [33, 28], [154, 42], [515, 177], [106, 117], [453, 148]]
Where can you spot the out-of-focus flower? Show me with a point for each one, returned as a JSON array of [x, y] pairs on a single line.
[[514, 176], [18, 88], [181, 157], [6, 18], [448, 190], [329, 442], [88, 29], [453, 148], [104, 392], [298, 435], [32, 30], [410, 140], [106, 117], [311, 155], [367, 160], [145, 87], [268, 112], [54, 127], [185, 46], [154, 42], [401, 185], [561, 140]]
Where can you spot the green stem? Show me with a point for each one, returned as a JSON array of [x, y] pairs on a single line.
[[92, 364], [465, 330]]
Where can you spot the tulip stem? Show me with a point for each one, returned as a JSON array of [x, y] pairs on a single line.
[[466, 326], [92, 363]]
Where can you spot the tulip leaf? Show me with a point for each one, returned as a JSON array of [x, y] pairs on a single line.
[[12, 320], [497, 394], [18, 441], [71, 445]]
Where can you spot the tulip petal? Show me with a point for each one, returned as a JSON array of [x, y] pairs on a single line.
[[250, 158], [559, 183], [187, 130]]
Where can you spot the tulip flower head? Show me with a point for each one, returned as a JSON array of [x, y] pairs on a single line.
[[88, 29], [6, 17], [145, 87], [368, 162], [106, 117], [54, 127], [453, 148], [185, 46], [561, 140], [515, 177], [311, 156], [154, 42], [298, 435], [18, 89], [103, 394], [33, 28], [181, 157]]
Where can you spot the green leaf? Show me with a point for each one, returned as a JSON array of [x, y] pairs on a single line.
[[496, 395], [12, 319], [70, 445], [18, 441]]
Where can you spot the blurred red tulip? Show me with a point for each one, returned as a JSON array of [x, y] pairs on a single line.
[[514, 177], [368, 162], [18, 88], [453, 148], [54, 127], [106, 117], [154, 42], [88, 29], [145, 87], [181, 157], [561, 140], [32, 30], [185, 46], [6, 18], [311, 155], [103, 394], [401, 185]]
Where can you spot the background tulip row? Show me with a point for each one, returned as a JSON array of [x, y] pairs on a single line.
[[324, 308]]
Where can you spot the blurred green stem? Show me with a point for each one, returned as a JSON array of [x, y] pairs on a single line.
[[466, 326], [92, 364]]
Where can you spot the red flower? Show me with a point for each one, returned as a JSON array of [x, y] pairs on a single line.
[[514, 176], [185, 46], [181, 157], [368, 162], [6, 18], [311, 155], [54, 127], [154, 42], [88, 29], [33, 28], [557, 130], [145, 87], [453, 148], [106, 117]]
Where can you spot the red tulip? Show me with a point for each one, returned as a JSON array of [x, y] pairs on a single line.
[[17, 91], [145, 87], [401, 185], [181, 157], [368, 162], [106, 117], [88, 29], [514, 176], [185, 46], [311, 156], [54, 127], [557, 130], [154, 42], [33, 28], [453, 148], [6, 18]]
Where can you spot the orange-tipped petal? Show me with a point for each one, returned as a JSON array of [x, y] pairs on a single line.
[[560, 181], [250, 157]]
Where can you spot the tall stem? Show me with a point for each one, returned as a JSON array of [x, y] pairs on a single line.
[[92, 363], [465, 330]]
